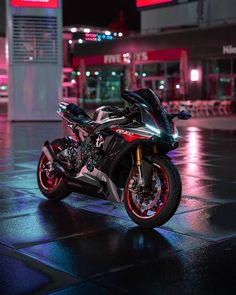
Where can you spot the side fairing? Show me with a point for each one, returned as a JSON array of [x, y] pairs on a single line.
[[131, 135], [113, 145]]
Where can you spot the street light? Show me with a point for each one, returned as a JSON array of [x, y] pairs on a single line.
[[195, 75], [87, 30]]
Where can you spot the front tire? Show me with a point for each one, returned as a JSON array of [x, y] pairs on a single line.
[[149, 209], [53, 187]]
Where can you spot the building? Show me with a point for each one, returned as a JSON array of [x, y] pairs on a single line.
[[159, 15], [3, 63], [186, 50]]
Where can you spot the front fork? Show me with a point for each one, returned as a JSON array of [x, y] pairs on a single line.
[[139, 165], [139, 162]]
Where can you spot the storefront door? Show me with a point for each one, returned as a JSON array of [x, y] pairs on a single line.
[[221, 78], [234, 86], [221, 86], [163, 78]]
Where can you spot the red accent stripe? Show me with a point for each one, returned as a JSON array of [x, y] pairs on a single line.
[[36, 4], [143, 3], [129, 137]]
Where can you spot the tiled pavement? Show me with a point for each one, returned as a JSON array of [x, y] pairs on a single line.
[[89, 246]]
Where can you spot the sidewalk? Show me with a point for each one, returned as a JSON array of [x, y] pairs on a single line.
[[52, 247], [220, 123]]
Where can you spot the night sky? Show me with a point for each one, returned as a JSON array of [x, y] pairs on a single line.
[[100, 13]]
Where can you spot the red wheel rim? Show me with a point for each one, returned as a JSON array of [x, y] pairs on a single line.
[[48, 183], [162, 198]]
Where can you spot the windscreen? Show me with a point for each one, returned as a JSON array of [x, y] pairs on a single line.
[[150, 98], [153, 105], [155, 108]]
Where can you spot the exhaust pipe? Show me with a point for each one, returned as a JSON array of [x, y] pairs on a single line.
[[51, 156]]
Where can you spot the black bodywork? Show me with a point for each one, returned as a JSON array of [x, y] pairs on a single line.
[[115, 157]]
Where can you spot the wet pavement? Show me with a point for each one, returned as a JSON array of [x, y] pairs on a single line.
[[84, 245]]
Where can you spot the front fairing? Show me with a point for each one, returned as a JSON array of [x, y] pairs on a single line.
[[155, 109], [154, 119], [149, 132], [154, 115]]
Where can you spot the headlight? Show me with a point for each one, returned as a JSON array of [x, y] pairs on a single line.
[[155, 130], [176, 135]]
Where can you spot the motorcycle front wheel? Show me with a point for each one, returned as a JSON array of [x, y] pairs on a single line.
[[154, 205]]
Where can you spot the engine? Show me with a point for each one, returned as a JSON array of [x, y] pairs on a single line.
[[90, 152], [69, 156]]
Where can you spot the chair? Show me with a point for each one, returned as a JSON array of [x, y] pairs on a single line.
[[225, 107], [174, 106], [212, 106]]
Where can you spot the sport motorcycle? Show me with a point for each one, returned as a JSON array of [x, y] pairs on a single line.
[[120, 154]]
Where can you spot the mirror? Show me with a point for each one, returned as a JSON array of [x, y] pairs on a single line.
[[184, 115]]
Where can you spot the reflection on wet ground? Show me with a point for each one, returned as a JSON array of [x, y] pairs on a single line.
[[89, 246]]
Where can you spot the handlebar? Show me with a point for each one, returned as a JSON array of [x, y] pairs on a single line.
[[116, 114], [183, 115], [127, 113]]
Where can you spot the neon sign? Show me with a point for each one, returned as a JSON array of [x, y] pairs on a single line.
[[144, 3], [35, 3]]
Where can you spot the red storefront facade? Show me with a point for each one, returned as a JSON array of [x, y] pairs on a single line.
[[124, 58], [105, 76]]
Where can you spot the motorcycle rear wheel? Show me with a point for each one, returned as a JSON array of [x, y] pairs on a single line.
[[52, 187], [154, 210]]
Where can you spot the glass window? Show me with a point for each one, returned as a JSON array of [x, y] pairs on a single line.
[[163, 78], [153, 69], [160, 69], [148, 84], [234, 87], [224, 66], [160, 89], [219, 87], [224, 88], [174, 88], [234, 66], [212, 87], [173, 68], [221, 66], [213, 67], [110, 89], [104, 82], [220, 77], [91, 87]]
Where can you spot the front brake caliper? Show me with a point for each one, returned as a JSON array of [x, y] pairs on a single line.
[[133, 185]]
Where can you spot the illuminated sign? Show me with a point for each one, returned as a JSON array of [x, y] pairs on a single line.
[[229, 49], [35, 3], [125, 58], [97, 37], [144, 3]]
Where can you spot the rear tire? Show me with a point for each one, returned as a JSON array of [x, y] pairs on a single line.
[[53, 188], [170, 195]]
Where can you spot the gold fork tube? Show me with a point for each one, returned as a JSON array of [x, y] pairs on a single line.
[[139, 155], [155, 149]]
